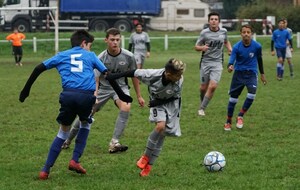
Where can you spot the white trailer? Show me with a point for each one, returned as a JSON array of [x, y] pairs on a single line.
[[181, 15]]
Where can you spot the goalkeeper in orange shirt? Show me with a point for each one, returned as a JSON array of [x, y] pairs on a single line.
[[16, 39]]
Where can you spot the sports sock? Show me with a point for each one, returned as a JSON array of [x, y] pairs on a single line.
[[120, 124], [291, 66], [247, 104], [205, 102], [157, 149], [74, 129], [151, 143], [230, 108], [16, 59], [278, 69], [282, 71], [53, 153], [80, 141], [20, 58]]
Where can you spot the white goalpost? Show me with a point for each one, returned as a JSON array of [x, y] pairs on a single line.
[[54, 19]]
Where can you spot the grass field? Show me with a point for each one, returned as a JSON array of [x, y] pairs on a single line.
[[263, 155]]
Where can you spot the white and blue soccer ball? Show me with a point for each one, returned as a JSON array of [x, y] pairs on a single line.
[[214, 161]]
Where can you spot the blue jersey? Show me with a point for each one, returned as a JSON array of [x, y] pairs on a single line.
[[76, 68], [280, 37], [244, 57]]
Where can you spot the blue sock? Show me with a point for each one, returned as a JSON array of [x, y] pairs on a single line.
[[278, 69], [247, 104], [53, 153], [80, 143], [230, 108]]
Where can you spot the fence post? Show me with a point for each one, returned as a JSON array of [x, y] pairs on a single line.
[[298, 39], [166, 42], [34, 45], [123, 41]]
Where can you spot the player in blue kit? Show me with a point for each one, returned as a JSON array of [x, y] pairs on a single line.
[[245, 56], [279, 38], [76, 68]]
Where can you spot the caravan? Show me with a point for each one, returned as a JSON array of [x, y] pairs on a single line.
[[181, 15]]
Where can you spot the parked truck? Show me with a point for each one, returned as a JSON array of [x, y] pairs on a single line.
[[94, 15]]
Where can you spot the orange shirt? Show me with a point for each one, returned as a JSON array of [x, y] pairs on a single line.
[[16, 38]]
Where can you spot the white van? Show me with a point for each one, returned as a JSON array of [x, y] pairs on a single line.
[[181, 15]]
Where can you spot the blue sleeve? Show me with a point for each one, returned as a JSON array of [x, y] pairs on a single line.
[[233, 55], [99, 64]]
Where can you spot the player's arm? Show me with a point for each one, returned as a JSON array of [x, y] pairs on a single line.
[[34, 75], [261, 68], [228, 47], [130, 46], [136, 85], [158, 102]]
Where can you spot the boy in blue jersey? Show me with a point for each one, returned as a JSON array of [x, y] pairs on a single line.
[[279, 38], [245, 56], [76, 68]]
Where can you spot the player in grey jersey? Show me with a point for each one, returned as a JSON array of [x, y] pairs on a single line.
[[211, 43], [164, 87], [289, 51], [116, 60], [139, 44]]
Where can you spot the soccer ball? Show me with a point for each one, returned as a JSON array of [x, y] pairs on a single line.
[[214, 161]]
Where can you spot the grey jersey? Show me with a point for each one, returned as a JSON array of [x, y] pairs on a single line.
[[290, 31], [215, 41], [138, 41], [153, 78], [116, 64]]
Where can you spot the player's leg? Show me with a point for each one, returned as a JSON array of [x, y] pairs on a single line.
[[289, 61], [65, 118], [54, 151], [236, 88], [152, 148], [15, 53], [279, 52], [20, 54], [214, 78], [204, 80], [251, 85], [85, 105], [73, 132]]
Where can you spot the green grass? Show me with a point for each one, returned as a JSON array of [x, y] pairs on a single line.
[[263, 155]]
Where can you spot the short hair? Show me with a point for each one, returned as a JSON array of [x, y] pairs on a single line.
[[112, 31], [281, 20], [175, 66], [214, 14], [79, 36], [246, 26]]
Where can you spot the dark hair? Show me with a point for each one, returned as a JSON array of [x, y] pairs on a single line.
[[112, 31], [175, 66], [214, 14], [79, 36], [246, 26], [281, 20]]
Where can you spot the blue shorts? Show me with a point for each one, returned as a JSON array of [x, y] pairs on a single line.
[[240, 79], [75, 102], [281, 52]]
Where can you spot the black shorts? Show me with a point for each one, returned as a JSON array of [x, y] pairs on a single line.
[[75, 102], [17, 50]]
